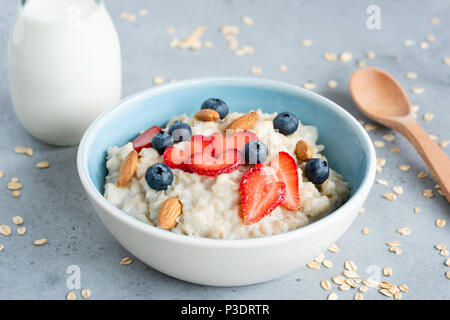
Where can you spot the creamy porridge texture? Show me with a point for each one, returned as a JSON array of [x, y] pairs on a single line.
[[211, 206]]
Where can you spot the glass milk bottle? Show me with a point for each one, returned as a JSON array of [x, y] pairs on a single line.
[[64, 66]]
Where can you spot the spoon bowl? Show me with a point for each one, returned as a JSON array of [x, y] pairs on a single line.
[[380, 97]]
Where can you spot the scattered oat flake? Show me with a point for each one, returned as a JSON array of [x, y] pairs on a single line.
[[371, 283], [378, 144], [363, 289], [398, 189], [362, 210], [393, 243], [229, 30], [338, 280], [394, 149], [329, 56], [282, 68], [307, 43], [170, 29], [435, 20], [2, 173], [143, 12], [390, 196], [361, 63], [446, 60], [411, 75], [365, 231], [309, 85], [71, 296], [1, 247], [387, 271], [382, 182], [370, 55], [247, 21], [15, 194], [432, 137], [86, 293], [397, 295], [319, 258], [447, 262], [416, 210], [428, 116], [332, 296], [350, 274], [396, 250], [313, 265], [404, 167], [388, 137], [424, 45], [431, 38], [439, 190], [404, 231], [5, 230], [422, 174], [440, 246], [444, 143], [386, 292], [327, 263], [334, 248], [350, 265], [352, 283], [370, 127], [15, 179], [40, 242], [428, 193], [126, 261], [447, 274], [345, 56], [256, 70], [21, 231], [325, 284], [444, 253], [17, 220], [403, 288], [43, 164], [418, 90], [14, 186], [344, 287], [332, 84], [408, 43], [440, 223], [358, 296], [158, 80]]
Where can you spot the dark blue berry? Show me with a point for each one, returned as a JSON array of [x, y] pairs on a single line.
[[159, 176], [216, 104], [255, 152], [180, 131], [286, 123], [317, 171], [161, 141]]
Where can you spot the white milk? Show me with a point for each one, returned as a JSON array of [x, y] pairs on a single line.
[[64, 67]]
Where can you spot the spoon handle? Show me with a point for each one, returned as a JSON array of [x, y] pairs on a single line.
[[436, 160]]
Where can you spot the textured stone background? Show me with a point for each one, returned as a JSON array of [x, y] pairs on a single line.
[[54, 205]]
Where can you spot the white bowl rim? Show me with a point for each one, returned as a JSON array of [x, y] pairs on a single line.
[[95, 195]]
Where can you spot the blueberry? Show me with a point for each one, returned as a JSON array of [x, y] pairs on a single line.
[[159, 176], [286, 123], [317, 171], [161, 141], [255, 152], [180, 131], [216, 104]]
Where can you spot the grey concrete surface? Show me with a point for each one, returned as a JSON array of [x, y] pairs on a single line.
[[54, 205]]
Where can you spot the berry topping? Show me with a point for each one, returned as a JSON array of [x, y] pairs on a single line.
[[174, 158], [205, 164], [255, 152], [286, 170], [241, 138], [144, 140], [286, 123], [159, 176], [180, 131], [161, 141], [216, 104], [317, 171], [261, 193]]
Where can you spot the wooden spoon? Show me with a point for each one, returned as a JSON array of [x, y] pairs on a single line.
[[381, 98]]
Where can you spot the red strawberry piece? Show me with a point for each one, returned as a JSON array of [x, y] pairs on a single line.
[[144, 140], [219, 143], [260, 193], [286, 171], [174, 158], [205, 164], [198, 144]]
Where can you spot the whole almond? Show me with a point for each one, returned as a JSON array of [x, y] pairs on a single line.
[[303, 151], [207, 115], [245, 122], [170, 210], [128, 168]]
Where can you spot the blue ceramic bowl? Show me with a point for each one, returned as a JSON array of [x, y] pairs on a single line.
[[211, 261]]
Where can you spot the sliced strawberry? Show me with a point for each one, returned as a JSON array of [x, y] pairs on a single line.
[[144, 140], [260, 193], [286, 171], [174, 158], [198, 144], [205, 164]]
